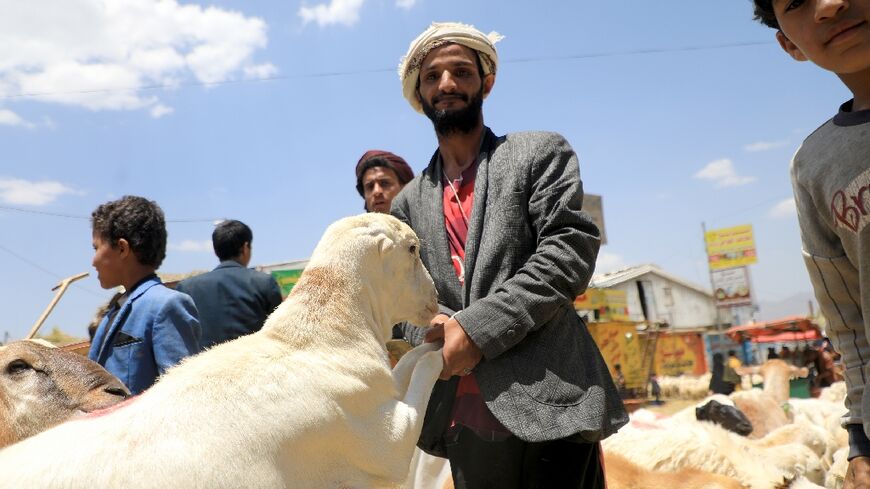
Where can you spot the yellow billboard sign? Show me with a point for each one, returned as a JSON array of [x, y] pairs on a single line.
[[730, 247], [607, 304]]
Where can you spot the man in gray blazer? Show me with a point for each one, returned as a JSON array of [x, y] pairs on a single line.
[[232, 299], [525, 395]]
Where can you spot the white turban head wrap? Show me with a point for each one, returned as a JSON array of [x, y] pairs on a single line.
[[438, 34]]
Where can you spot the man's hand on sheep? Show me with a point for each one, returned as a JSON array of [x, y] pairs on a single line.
[[460, 354], [858, 475]]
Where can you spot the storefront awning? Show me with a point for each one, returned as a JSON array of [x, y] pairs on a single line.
[[793, 328]]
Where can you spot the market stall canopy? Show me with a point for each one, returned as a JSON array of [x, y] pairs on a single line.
[[793, 328], [810, 335]]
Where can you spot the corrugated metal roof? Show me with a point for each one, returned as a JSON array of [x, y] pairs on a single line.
[[606, 280]]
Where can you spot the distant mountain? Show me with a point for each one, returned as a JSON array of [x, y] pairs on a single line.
[[794, 305]]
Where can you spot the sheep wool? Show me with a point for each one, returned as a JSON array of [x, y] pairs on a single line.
[[308, 402]]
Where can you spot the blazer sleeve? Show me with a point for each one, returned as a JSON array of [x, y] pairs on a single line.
[[176, 332], [560, 267], [271, 293]]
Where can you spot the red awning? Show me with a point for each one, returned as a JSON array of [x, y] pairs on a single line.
[[789, 329], [788, 336]]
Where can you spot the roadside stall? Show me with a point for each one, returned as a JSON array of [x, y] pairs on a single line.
[[798, 331]]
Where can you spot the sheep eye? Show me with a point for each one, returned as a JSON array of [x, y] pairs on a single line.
[[115, 391], [17, 366], [413, 249]]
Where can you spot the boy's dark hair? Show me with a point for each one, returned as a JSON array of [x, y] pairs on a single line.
[[139, 221], [764, 13], [229, 237]]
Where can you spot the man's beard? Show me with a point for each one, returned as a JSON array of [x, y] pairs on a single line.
[[458, 121]]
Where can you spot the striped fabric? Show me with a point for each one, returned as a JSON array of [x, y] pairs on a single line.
[[831, 180]]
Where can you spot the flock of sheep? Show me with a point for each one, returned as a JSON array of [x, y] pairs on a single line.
[[796, 443], [311, 401]]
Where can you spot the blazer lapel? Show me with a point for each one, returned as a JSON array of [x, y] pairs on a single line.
[[435, 238], [121, 317], [478, 210], [113, 328]]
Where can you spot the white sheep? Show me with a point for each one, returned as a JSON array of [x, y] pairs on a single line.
[[684, 386], [763, 411], [679, 441], [836, 477], [307, 402]]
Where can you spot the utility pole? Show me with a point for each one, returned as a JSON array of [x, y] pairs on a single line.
[[718, 324]]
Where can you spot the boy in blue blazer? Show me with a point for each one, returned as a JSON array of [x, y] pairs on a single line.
[[151, 327]]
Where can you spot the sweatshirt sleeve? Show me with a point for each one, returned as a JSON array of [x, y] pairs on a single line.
[[836, 284]]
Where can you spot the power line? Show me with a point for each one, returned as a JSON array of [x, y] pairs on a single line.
[[45, 270], [74, 216], [43, 213], [632, 52], [328, 74]]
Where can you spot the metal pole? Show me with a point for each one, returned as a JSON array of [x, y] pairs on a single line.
[[718, 320], [61, 288]]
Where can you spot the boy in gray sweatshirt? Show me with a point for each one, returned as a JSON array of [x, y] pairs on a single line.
[[831, 179]]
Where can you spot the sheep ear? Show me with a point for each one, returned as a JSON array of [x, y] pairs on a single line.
[[385, 244]]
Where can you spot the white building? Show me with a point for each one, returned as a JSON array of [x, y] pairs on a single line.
[[656, 296]]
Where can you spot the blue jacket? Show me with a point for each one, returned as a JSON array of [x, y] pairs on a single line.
[[232, 301], [152, 330]]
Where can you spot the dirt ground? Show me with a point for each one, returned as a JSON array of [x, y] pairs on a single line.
[[669, 406]]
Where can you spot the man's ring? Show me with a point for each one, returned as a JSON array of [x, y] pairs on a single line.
[[466, 371]]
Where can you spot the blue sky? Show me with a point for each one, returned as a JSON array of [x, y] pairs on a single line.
[[258, 111]]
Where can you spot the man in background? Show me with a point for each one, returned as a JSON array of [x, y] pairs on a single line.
[[380, 175], [232, 299]]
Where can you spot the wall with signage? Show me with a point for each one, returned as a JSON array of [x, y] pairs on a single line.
[[605, 304], [620, 344], [680, 353], [286, 274]]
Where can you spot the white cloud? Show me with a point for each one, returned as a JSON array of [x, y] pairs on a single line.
[[18, 191], [97, 53], [258, 72], [609, 262], [9, 118], [764, 146], [783, 209], [405, 4], [160, 110], [335, 12], [189, 245], [723, 174]]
